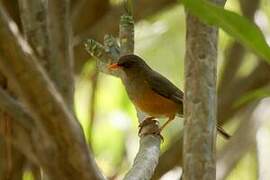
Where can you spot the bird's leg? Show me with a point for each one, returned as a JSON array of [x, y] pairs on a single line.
[[166, 123], [149, 126], [145, 122]]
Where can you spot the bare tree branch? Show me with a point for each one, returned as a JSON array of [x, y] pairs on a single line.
[[35, 27], [200, 108], [147, 157], [61, 60], [171, 158], [243, 139], [233, 58], [20, 64], [106, 24], [235, 52], [258, 78]]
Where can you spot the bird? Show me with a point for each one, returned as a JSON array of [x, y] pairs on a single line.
[[151, 92]]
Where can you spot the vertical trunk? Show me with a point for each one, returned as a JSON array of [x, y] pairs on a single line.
[[200, 100]]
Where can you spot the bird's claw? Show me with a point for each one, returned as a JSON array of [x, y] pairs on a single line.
[[150, 126]]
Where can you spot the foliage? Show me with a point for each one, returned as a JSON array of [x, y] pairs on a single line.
[[237, 26]]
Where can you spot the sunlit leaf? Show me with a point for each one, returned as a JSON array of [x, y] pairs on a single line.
[[237, 26]]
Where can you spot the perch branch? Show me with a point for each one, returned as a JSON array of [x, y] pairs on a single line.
[[106, 23], [147, 157], [146, 160]]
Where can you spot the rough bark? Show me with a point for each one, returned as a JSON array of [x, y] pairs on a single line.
[[47, 107], [234, 55], [61, 57], [200, 101]]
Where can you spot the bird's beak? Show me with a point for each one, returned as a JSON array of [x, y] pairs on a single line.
[[113, 66]]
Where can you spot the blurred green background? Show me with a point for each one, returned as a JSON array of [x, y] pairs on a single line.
[[160, 40]]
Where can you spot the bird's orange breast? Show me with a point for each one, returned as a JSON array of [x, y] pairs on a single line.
[[156, 105]]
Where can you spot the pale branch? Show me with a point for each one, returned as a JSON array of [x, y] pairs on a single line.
[[146, 160], [171, 158], [258, 78], [20, 65], [106, 23], [103, 55], [234, 55], [111, 45], [200, 105], [126, 35], [61, 56], [147, 157], [243, 139]]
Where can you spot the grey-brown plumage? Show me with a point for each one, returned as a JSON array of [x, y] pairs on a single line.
[[150, 91]]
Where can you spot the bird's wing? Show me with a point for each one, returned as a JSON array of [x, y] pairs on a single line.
[[164, 87]]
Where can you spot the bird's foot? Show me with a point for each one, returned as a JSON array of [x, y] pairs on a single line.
[[150, 126]]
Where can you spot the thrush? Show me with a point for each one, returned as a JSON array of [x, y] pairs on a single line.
[[151, 92]]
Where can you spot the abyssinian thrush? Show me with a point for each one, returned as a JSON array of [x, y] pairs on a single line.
[[151, 92]]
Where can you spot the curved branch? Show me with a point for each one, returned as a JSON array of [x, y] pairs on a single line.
[[20, 65], [146, 160]]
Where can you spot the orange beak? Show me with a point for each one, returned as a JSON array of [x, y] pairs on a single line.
[[113, 66]]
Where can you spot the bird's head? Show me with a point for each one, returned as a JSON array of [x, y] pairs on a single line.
[[129, 64]]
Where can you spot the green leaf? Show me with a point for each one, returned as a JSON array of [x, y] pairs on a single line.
[[252, 96], [237, 26]]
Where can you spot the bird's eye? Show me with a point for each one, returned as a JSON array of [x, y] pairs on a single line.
[[127, 64]]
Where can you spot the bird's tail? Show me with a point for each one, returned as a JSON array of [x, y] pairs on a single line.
[[220, 129], [223, 132]]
